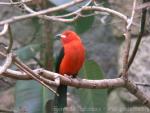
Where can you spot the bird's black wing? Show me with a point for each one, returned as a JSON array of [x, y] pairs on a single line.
[[61, 100], [59, 59]]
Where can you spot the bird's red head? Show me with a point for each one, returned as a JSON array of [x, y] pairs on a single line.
[[68, 36]]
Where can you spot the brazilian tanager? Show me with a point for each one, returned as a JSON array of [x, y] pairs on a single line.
[[69, 62]]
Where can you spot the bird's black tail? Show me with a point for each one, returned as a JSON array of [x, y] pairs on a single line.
[[61, 100]]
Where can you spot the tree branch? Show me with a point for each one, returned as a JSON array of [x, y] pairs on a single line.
[[126, 54], [75, 82], [59, 8], [98, 8], [49, 10], [143, 20], [7, 63], [14, 3], [138, 93], [143, 6], [132, 15], [10, 39], [5, 29], [82, 83], [127, 35], [35, 76], [53, 18]]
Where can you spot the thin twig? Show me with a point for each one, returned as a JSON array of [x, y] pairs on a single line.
[[143, 20], [49, 10], [5, 29], [14, 3], [53, 18], [143, 6], [145, 100], [132, 15], [128, 84], [7, 63], [127, 42], [142, 84], [18, 75], [111, 11], [49, 82], [58, 8], [75, 12], [127, 35], [10, 39], [27, 70]]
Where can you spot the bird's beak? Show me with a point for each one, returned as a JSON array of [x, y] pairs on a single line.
[[58, 36]]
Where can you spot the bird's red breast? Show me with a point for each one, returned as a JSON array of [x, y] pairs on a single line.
[[74, 53]]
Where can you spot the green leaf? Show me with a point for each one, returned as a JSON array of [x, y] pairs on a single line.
[[83, 23], [92, 100], [29, 51], [70, 9], [37, 33], [91, 70], [31, 97]]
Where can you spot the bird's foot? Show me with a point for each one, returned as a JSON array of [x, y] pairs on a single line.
[[68, 76]]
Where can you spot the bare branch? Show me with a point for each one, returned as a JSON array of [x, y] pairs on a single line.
[[75, 12], [143, 21], [61, 18], [142, 84], [61, 7], [5, 29], [98, 8], [75, 82], [143, 6], [27, 70], [18, 75], [127, 42], [53, 18], [14, 3], [49, 10], [138, 93], [49, 82], [6, 64], [132, 15], [127, 35], [10, 39], [83, 83]]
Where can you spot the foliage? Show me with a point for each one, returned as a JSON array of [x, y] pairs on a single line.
[[92, 100], [31, 96], [28, 52]]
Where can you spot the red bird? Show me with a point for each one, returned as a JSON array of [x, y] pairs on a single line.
[[69, 61]]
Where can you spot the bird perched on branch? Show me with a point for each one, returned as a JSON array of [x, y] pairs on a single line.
[[69, 62]]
